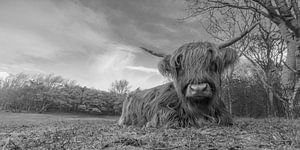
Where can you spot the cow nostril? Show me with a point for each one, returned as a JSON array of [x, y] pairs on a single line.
[[205, 87], [193, 87]]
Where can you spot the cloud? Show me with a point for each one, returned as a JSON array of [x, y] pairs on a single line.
[[94, 42], [119, 64], [56, 37], [3, 75], [113, 61], [15, 43], [143, 69], [45, 29]]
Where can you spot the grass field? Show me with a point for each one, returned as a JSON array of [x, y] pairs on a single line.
[[67, 131]]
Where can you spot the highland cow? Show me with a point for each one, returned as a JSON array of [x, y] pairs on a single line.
[[193, 95]]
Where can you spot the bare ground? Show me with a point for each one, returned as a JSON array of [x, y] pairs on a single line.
[[66, 131]]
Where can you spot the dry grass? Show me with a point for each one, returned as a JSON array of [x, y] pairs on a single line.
[[63, 131]]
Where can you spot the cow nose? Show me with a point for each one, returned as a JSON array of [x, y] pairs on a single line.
[[199, 87], [202, 89]]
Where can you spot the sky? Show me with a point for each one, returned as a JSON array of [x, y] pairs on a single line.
[[94, 42]]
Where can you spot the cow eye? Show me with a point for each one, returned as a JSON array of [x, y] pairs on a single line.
[[210, 50], [178, 61]]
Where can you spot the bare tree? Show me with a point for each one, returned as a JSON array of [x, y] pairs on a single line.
[[266, 54], [285, 14], [120, 87]]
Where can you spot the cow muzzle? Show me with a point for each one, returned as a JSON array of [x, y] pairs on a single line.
[[199, 90]]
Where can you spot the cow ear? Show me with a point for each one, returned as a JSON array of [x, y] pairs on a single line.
[[228, 57], [165, 68]]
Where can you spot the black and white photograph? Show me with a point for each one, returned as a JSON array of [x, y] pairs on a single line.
[[149, 74]]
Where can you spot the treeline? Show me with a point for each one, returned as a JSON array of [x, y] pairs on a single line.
[[246, 97], [243, 93], [51, 93], [246, 94]]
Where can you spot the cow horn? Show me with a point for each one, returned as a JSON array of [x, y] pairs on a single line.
[[158, 54], [232, 41]]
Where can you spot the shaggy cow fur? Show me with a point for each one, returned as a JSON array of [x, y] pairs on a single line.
[[167, 105]]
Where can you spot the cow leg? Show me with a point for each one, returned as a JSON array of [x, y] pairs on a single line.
[[222, 115], [153, 122], [125, 116]]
